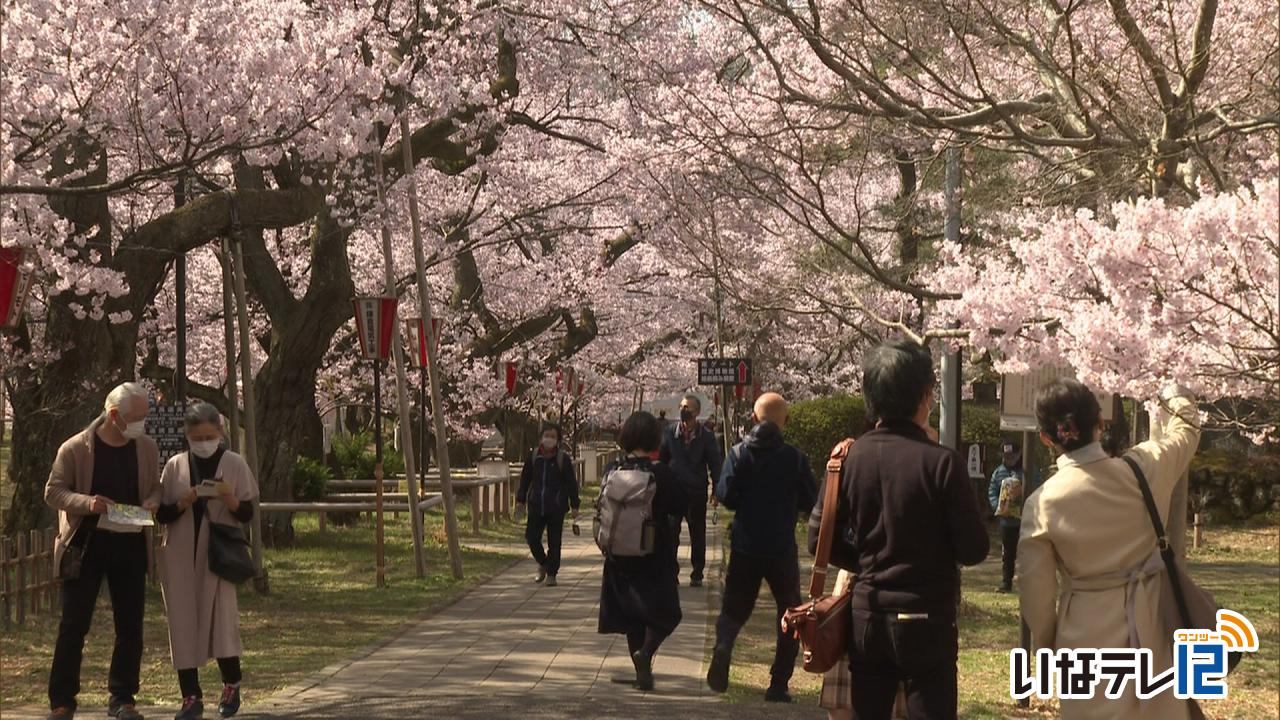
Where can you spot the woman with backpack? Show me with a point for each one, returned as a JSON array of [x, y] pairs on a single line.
[[1089, 525], [640, 593], [548, 488]]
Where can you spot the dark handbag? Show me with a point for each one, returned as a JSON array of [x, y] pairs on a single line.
[[229, 555], [1183, 603], [73, 554], [822, 624]]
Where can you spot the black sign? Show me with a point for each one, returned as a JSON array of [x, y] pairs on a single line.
[[165, 425], [724, 371]]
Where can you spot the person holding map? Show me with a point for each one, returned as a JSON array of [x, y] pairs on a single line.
[[110, 464]]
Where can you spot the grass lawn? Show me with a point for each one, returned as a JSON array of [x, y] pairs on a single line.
[[1241, 566], [323, 607]]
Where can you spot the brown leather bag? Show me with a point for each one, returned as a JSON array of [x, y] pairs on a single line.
[[822, 624]]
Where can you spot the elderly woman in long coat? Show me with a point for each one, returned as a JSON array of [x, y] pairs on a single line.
[[204, 620], [1088, 525]]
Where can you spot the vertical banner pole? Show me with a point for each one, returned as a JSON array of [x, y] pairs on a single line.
[[260, 583]]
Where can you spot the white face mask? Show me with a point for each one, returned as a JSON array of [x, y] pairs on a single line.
[[549, 443], [203, 448], [134, 430]]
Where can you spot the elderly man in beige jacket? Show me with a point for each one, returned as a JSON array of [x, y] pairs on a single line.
[[1088, 525], [112, 461]]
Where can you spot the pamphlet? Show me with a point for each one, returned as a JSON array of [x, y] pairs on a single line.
[[125, 518], [212, 488]]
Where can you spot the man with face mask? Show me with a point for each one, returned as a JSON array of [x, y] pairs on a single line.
[[1005, 492], [111, 461], [693, 454], [548, 489]]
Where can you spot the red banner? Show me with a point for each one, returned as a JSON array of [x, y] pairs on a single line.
[[511, 378], [375, 318], [13, 286], [417, 341]]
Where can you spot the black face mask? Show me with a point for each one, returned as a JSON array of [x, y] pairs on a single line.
[[686, 415]]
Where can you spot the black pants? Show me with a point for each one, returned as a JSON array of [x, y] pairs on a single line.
[[1009, 550], [742, 586], [696, 517], [885, 651], [553, 526], [189, 678], [122, 560]]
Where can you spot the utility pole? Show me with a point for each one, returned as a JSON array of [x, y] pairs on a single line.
[[260, 581], [180, 192], [402, 385], [433, 355], [229, 340], [949, 425]]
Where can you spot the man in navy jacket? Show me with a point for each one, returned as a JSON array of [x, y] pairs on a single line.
[[768, 484], [694, 455]]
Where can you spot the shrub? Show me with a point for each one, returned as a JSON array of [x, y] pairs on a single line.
[[310, 479], [356, 457], [817, 425]]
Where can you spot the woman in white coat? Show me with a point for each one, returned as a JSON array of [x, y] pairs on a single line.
[[203, 615], [1088, 525]]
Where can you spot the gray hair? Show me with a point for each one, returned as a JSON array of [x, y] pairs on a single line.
[[122, 392], [697, 401], [201, 413]]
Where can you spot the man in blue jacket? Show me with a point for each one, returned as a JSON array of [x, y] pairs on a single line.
[[1009, 512], [694, 455], [768, 484]]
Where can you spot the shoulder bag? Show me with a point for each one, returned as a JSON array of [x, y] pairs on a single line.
[[822, 623], [229, 555]]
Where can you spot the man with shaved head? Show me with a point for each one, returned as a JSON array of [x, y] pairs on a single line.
[[768, 484]]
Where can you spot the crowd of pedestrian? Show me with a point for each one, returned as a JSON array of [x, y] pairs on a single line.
[[906, 519]]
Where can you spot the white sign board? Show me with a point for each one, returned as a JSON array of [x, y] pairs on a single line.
[[975, 462], [1018, 398]]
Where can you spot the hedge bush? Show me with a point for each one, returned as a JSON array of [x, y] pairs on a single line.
[[310, 479], [817, 425]]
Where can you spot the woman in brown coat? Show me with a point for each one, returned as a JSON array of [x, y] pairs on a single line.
[[203, 616]]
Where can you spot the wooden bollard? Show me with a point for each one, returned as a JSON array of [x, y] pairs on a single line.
[[1197, 537]]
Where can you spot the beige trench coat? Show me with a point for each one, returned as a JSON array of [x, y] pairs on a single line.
[[1088, 527], [204, 621], [70, 484]]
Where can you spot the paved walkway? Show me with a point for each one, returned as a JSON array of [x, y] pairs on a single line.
[[511, 648]]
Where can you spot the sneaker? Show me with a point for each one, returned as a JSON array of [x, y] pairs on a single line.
[[542, 575], [695, 581], [644, 670], [123, 710], [777, 694], [62, 713], [230, 703], [718, 673], [1004, 589], [192, 709], [551, 580]]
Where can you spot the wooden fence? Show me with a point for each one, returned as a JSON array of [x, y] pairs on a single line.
[[28, 584]]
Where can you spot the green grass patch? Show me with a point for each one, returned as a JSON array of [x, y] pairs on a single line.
[[1240, 566], [323, 607]]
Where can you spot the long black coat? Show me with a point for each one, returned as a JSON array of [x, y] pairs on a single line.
[[640, 592]]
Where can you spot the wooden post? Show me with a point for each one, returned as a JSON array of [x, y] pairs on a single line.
[[433, 359], [475, 509], [1028, 476], [1197, 539], [37, 560], [50, 538], [6, 586], [260, 582], [402, 385], [229, 342], [20, 579]]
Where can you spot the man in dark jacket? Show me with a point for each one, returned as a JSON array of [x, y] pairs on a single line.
[[548, 488], [908, 511], [692, 453], [767, 483]]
